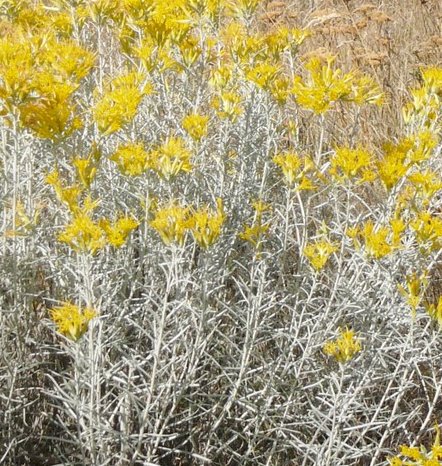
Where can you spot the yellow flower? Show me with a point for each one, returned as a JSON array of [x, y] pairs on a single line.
[[399, 157], [68, 60], [298, 36], [195, 125], [395, 461], [83, 234], [253, 233], [435, 311], [171, 158], [427, 184], [279, 89], [319, 252], [350, 163], [190, 50], [131, 159], [228, 105], [119, 104], [17, 71], [118, 233], [67, 194], [71, 320], [391, 170], [170, 222], [397, 228], [366, 91], [87, 168], [327, 85], [263, 74], [415, 290], [411, 452], [50, 117], [276, 42], [324, 87], [296, 169], [206, 224], [428, 230], [221, 76], [420, 456], [432, 78], [290, 164], [376, 240], [343, 348]]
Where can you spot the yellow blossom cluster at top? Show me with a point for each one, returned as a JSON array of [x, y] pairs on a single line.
[[378, 240], [255, 232], [71, 320], [344, 347], [173, 220], [167, 159], [82, 233], [118, 104], [318, 252], [299, 171], [327, 85], [39, 76], [40, 82], [426, 100]]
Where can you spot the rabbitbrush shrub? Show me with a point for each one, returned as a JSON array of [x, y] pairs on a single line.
[[204, 259]]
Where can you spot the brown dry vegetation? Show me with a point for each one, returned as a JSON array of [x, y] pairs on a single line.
[[389, 40]]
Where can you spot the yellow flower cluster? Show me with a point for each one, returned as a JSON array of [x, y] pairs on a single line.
[[205, 224], [118, 105], [327, 86], [228, 105], [196, 125], [118, 233], [343, 348], [352, 164], [83, 234], [424, 108], [167, 159], [318, 252], [414, 291], [71, 320], [170, 158], [39, 77], [399, 158], [131, 159], [297, 170], [379, 241], [69, 195], [419, 456], [174, 220], [254, 232], [170, 221], [428, 229]]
